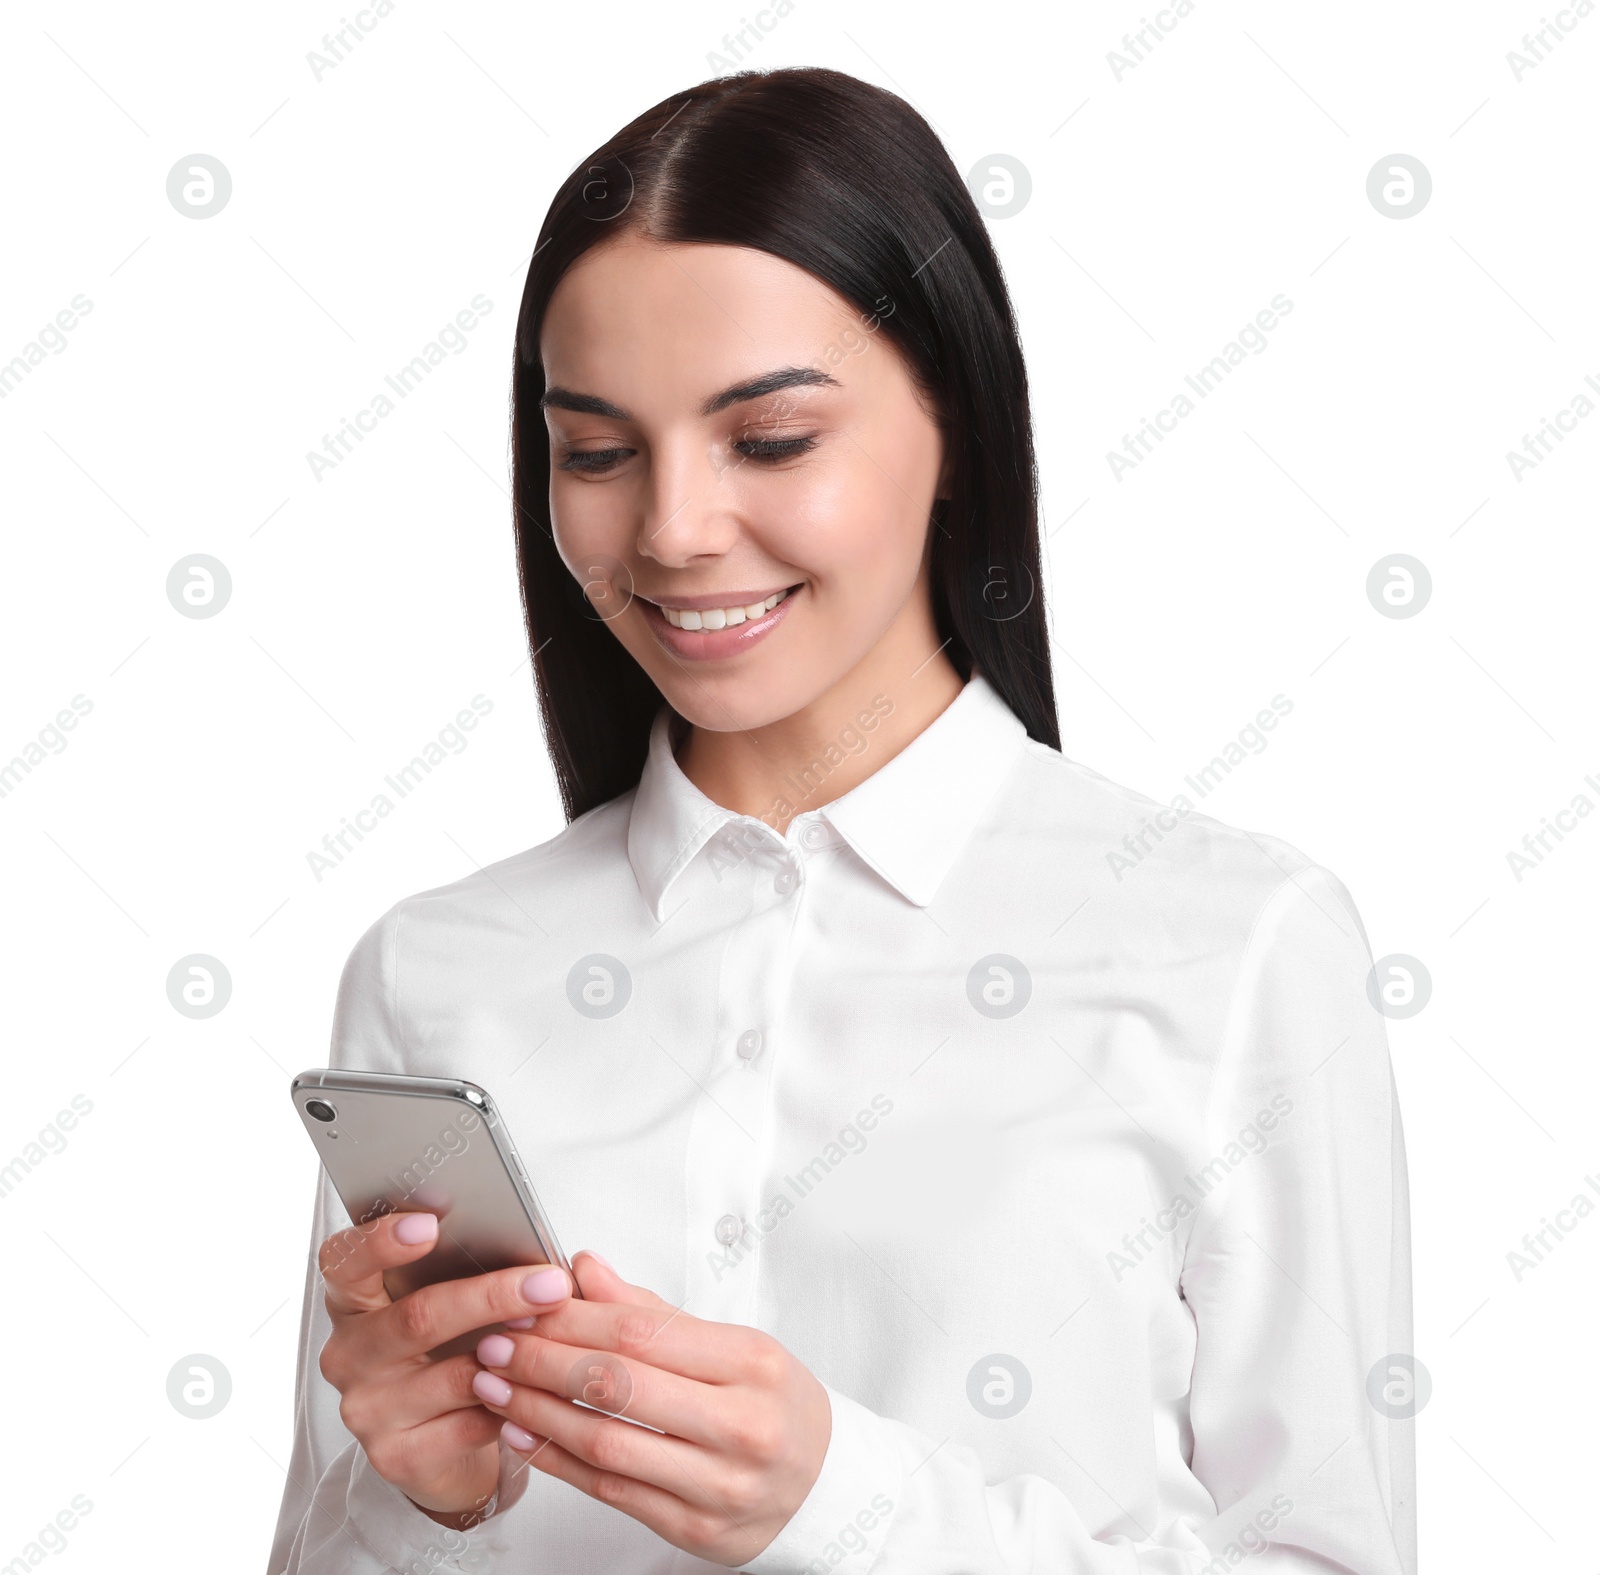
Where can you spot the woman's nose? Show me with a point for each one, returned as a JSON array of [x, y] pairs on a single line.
[[689, 511]]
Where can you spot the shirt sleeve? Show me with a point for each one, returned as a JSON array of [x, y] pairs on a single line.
[[338, 1516], [1297, 1274]]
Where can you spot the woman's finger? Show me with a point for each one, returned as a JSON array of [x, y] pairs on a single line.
[[600, 1282], [606, 1445], [455, 1433], [664, 1513], [352, 1261], [431, 1315], [663, 1336], [410, 1398], [683, 1407]]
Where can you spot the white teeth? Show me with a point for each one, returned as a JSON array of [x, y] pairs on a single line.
[[720, 617]]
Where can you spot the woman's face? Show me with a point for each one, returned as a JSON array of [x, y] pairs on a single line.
[[742, 474]]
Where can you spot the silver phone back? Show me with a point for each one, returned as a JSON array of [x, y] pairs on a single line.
[[405, 1143]]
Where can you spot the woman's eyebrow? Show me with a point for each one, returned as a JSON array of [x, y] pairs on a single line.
[[768, 383], [559, 398]]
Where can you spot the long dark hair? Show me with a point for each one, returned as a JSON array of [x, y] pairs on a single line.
[[848, 182]]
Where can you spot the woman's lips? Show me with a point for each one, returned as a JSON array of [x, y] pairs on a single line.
[[704, 645]]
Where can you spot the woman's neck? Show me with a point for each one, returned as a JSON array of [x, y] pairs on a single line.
[[819, 753]]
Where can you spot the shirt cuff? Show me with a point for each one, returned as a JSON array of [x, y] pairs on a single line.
[[841, 1526], [406, 1539]]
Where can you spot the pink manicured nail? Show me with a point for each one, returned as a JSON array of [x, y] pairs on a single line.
[[411, 1230], [495, 1390], [519, 1323], [518, 1437], [545, 1286], [598, 1259], [495, 1350]]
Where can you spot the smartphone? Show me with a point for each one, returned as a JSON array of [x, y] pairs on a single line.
[[391, 1143]]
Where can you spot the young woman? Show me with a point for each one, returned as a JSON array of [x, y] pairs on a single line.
[[1003, 1166]]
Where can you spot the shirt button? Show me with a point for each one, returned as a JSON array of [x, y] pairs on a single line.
[[814, 834], [750, 1043], [784, 882], [729, 1229]]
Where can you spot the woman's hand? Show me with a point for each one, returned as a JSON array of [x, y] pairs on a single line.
[[743, 1425], [417, 1418]]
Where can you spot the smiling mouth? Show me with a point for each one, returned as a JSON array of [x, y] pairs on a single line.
[[728, 616], [706, 632]]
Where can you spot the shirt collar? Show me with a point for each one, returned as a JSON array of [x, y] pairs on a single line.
[[910, 820]]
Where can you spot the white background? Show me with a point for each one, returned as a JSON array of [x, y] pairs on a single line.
[[368, 607]]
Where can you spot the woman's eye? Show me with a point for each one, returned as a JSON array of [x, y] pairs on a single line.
[[594, 459], [775, 448]]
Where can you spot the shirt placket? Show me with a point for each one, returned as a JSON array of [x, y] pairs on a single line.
[[729, 1138]]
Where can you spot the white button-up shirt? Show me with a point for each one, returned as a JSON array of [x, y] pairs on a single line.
[[1051, 1127]]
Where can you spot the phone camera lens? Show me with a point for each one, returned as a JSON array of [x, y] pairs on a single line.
[[320, 1110]]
